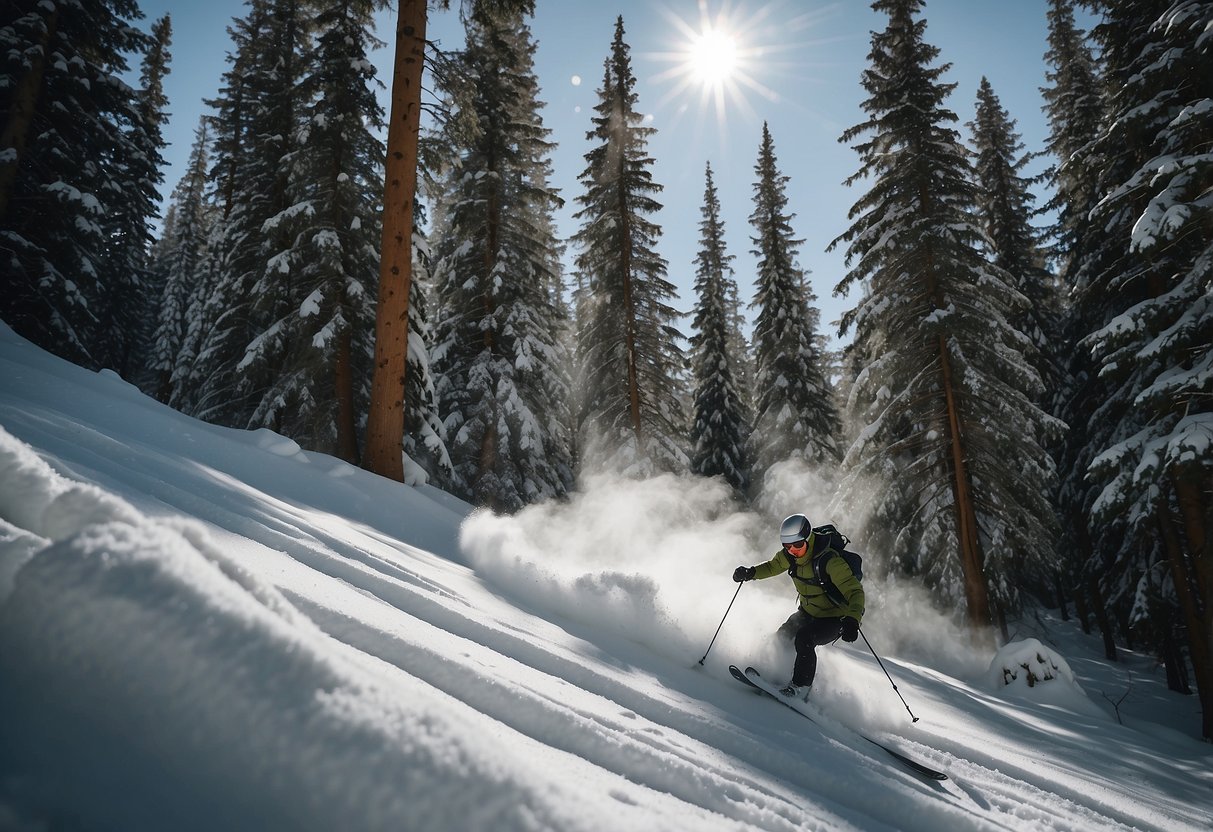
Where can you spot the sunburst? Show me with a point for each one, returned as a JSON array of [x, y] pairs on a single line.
[[718, 56]]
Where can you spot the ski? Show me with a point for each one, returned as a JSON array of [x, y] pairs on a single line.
[[753, 679]]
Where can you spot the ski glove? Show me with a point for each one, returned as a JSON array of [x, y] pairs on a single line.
[[743, 573], [850, 628]]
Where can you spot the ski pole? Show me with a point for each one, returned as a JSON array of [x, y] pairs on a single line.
[[726, 615], [891, 682]]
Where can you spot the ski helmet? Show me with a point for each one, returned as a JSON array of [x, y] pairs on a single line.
[[795, 528]]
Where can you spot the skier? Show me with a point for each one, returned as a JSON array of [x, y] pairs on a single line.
[[818, 619]]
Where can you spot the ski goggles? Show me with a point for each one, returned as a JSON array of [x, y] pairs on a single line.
[[798, 548]]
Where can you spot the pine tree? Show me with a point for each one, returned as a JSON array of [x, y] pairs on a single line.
[[426, 458], [249, 293], [1075, 109], [316, 353], [74, 171], [505, 382], [1004, 207], [720, 427], [794, 412], [949, 432], [1106, 281], [179, 261], [631, 362], [203, 370], [130, 301], [1154, 349]]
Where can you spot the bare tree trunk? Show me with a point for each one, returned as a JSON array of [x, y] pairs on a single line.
[[1192, 577], [385, 422], [347, 425], [1060, 590], [489, 441], [1081, 610], [629, 303], [1173, 663], [1091, 592], [21, 112], [977, 593], [1101, 618]]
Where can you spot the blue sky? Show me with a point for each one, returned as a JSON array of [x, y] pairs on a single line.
[[797, 67]]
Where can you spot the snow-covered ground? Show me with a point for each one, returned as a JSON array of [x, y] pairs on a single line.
[[203, 628]]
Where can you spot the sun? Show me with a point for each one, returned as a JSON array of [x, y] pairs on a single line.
[[720, 55], [711, 57]]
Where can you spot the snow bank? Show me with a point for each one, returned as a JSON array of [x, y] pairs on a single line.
[[37, 505], [151, 682], [1030, 671]]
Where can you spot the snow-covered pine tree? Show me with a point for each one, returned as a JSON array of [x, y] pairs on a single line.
[[190, 380], [720, 427], [72, 152], [795, 416], [1004, 205], [628, 349], [200, 359], [153, 95], [738, 344], [1155, 350], [315, 355], [179, 259], [1075, 110], [131, 300], [504, 378], [1106, 281], [247, 296], [943, 404], [426, 458], [1074, 107]]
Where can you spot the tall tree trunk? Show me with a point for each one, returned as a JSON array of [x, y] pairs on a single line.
[[488, 442], [629, 311], [629, 303], [1101, 618], [1173, 663], [977, 593], [385, 422], [1060, 590], [1081, 610], [1192, 586], [1003, 628], [343, 380], [164, 386], [21, 111], [1092, 592], [228, 188]]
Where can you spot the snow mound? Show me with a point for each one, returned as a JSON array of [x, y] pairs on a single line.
[[1031, 671]]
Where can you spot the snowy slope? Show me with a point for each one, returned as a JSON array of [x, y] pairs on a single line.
[[203, 628]]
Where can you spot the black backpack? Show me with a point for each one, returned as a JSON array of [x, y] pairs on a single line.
[[829, 538]]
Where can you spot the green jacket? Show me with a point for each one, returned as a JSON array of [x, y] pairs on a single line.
[[813, 598]]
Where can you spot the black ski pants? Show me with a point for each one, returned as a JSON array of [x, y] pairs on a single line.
[[806, 632]]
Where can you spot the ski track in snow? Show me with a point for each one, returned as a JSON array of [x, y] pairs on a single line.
[[303, 658]]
